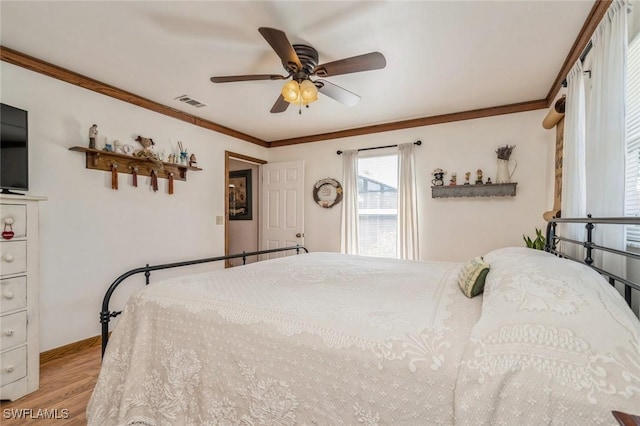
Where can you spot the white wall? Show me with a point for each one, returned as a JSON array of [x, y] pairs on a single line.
[[450, 229], [90, 233]]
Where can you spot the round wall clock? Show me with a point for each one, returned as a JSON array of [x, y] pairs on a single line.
[[327, 192]]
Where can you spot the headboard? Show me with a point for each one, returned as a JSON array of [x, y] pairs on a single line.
[[590, 247]]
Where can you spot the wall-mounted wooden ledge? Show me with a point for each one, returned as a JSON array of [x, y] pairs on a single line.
[[104, 160], [484, 190]]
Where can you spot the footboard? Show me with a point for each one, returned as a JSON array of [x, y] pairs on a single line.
[[106, 314], [552, 240]]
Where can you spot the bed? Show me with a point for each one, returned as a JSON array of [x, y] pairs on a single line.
[[332, 339]]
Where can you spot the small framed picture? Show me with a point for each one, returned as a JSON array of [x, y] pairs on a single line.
[[240, 195]]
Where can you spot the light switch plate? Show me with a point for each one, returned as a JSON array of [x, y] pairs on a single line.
[[219, 220]]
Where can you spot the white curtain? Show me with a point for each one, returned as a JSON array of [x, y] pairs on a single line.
[[349, 243], [605, 131], [573, 161], [407, 204]]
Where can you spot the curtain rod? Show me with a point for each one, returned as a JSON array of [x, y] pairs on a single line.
[[583, 56], [380, 147]]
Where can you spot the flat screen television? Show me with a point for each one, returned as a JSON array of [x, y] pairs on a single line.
[[14, 149]]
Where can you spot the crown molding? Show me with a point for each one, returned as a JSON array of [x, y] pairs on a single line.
[[598, 10], [418, 122], [34, 64]]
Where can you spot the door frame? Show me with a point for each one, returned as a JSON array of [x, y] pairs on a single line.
[[229, 155]]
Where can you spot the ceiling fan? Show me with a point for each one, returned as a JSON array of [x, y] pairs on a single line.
[[300, 61]]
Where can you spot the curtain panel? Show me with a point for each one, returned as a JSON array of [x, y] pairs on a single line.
[[573, 161], [605, 141], [595, 142], [349, 227], [407, 204]]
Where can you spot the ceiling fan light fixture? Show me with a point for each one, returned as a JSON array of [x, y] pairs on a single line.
[[291, 91], [295, 93], [300, 61]]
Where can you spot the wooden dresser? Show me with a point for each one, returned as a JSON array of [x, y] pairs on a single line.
[[19, 290]]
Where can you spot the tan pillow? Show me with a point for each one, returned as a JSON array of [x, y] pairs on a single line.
[[472, 276]]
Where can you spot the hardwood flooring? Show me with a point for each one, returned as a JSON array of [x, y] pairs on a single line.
[[66, 384]]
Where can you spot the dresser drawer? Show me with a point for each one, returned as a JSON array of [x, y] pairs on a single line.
[[13, 330], [13, 294], [13, 257], [17, 213], [13, 365], [14, 390]]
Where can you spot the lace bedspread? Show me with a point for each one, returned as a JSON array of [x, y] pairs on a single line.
[[331, 339], [320, 338], [555, 344]]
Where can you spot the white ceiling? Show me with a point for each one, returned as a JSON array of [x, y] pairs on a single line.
[[442, 56]]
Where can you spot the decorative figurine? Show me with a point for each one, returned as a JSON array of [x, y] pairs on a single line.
[[147, 152], [454, 177], [146, 143], [489, 181], [467, 176], [438, 175], [479, 180], [192, 161], [93, 134]]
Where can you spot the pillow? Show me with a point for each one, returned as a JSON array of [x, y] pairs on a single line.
[[472, 276]]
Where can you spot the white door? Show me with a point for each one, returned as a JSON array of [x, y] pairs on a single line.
[[282, 205]]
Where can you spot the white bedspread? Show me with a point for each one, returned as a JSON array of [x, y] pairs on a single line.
[[319, 338], [555, 344]]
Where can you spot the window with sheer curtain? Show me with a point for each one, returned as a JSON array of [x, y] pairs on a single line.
[[378, 205]]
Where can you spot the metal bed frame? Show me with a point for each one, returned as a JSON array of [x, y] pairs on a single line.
[[106, 314], [552, 240]]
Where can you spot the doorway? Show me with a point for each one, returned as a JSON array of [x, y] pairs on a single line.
[[242, 205]]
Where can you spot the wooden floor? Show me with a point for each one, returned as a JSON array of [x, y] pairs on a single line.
[[65, 385]]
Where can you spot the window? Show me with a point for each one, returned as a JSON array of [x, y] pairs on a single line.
[[632, 190], [378, 205]]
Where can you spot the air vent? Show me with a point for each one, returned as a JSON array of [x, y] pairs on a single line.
[[186, 99]]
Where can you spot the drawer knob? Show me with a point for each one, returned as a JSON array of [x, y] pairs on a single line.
[[8, 220], [9, 369], [8, 295], [8, 258], [9, 333]]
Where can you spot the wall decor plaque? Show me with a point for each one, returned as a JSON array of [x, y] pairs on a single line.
[[327, 192]]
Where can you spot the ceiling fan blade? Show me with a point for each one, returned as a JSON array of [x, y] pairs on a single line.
[[366, 62], [232, 78], [281, 45], [336, 92], [280, 106]]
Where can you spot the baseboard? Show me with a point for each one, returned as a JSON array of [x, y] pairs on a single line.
[[71, 348]]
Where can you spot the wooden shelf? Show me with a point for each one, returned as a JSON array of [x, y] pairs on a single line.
[[104, 160], [485, 190]]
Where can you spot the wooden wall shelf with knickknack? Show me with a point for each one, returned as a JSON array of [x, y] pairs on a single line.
[[137, 166], [484, 190]]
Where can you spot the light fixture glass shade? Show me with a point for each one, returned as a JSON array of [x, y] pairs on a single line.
[[309, 92], [291, 91], [305, 92]]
